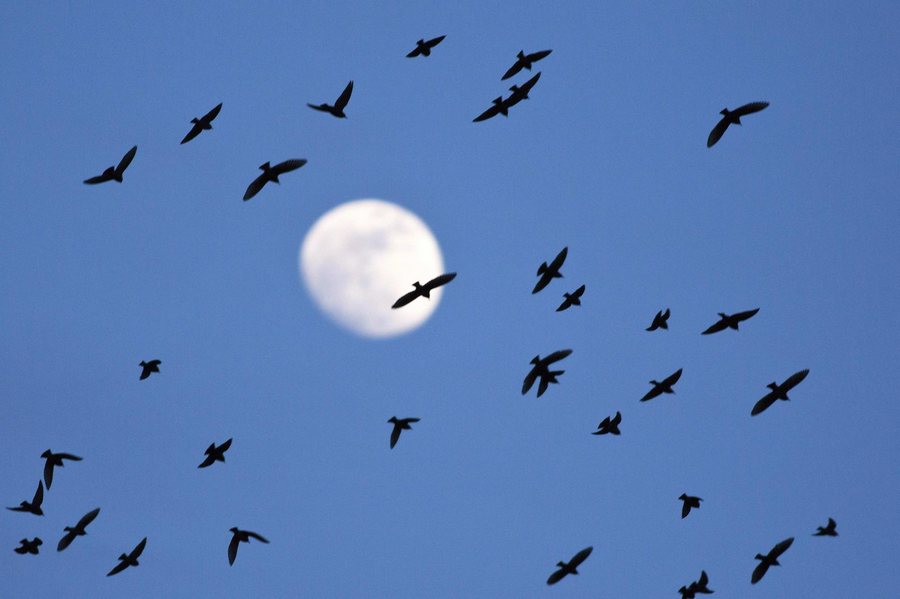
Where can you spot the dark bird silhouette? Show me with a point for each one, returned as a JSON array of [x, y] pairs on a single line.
[[240, 536], [55, 459], [271, 173], [423, 290], [730, 322], [827, 531], [204, 123], [130, 559], [339, 105], [541, 368], [660, 321], [778, 391], [77, 530], [403, 424], [520, 92], [114, 173], [609, 426], [33, 506], [26, 546], [663, 387], [771, 559], [689, 502], [548, 273], [698, 586], [732, 117], [525, 61], [498, 106], [569, 568], [423, 48], [149, 368], [214, 453], [571, 299]]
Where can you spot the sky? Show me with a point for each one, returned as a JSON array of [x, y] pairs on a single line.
[[795, 212]]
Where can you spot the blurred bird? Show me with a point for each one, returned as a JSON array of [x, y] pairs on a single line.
[[571, 299], [524, 61], [732, 117], [402, 424], [130, 559], [827, 531], [548, 273], [660, 321], [699, 586], [730, 322], [78, 530], [33, 506], [55, 459], [339, 105], [240, 536], [214, 453], [114, 173], [204, 123], [779, 391], [271, 173], [423, 290], [569, 568], [149, 368], [689, 502], [771, 559], [609, 426], [27, 546], [520, 93], [498, 106], [541, 368], [423, 48], [663, 387]]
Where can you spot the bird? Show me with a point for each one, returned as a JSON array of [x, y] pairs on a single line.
[[827, 531], [730, 322], [339, 105], [689, 502], [520, 92], [55, 459], [770, 559], [663, 387], [204, 123], [541, 368], [149, 368], [240, 536], [77, 530], [423, 290], [609, 426], [498, 106], [27, 546], [271, 173], [660, 321], [33, 506], [571, 299], [130, 559], [423, 48], [524, 61], [402, 424], [569, 568], [778, 391], [114, 173], [548, 273], [699, 586], [214, 453], [732, 117]]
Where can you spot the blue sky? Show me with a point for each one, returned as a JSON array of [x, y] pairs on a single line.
[[794, 213]]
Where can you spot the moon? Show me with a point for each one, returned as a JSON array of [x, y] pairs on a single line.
[[359, 257]]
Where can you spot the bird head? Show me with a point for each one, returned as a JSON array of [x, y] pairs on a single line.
[[773, 386], [47, 454], [123, 557], [420, 42], [234, 529], [521, 54], [195, 120], [760, 557], [724, 112], [393, 419], [683, 497], [264, 167]]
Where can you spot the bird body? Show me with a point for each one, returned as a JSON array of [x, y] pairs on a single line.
[[423, 290], [214, 454], [52, 460], [770, 559], [609, 426], [689, 502], [732, 117], [337, 109], [114, 173], [525, 61], [33, 506], [779, 391], [665, 386], [400, 424], [270, 174], [129, 560], [548, 272], [730, 321], [78, 530], [569, 568], [240, 536], [201, 124], [660, 321], [423, 48]]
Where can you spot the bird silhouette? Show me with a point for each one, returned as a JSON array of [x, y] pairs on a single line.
[[571, 299], [660, 321], [520, 92], [240, 536], [130, 559], [214, 454], [665, 386], [402, 424], [541, 368], [78, 530], [698, 586], [778, 391], [27, 546], [33, 506], [498, 106], [149, 367], [339, 105], [271, 173], [549, 272], [689, 502], [732, 117], [524, 61], [569, 568], [730, 322], [55, 459], [609, 426], [204, 123], [827, 531], [423, 290], [114, 173], [770, 559], [423, 48]]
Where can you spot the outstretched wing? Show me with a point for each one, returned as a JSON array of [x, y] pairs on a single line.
[[341, 102], [126, 160], [118, 568], [48, 473], [87, 518], [555, 356], [224, 446], [715, 328], [526, 87], [673, 378], [407, 298], [435, 41], [758, 572], [513, 70], [530, 378], [717, 132], [322, 107], [194, 132], [38, 495], [763, 404], [491, 112], [288, 166], [212, 114], [560, 258], [780, 548], [68, 456], [439, 281], [556, 576], [685, 509], [654, 392], [416, 51], [794, 380], [232, 549], [580, 557], [138, 549], [579, 292], [749, 108], [617, 419], [207, 461], [255, 187], [107, 175], [395, 435], [742, 316], [536, 56], [256, 536], [65, 541]]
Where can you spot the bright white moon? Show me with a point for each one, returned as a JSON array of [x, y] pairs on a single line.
[[358, 258]]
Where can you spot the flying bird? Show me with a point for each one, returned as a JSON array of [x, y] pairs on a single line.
[[423, 290], [609, 426], [571, 299], [827, 531], [663, 387], [204, 123], [271, 173], [689, 502], [403, 424], [339, 105], [77, 530], [423, 48], [240, 536], [55, 459], [570, 568], [33, 506], [149, 367], [771, 559], [541, 368], [524, 61], [27, 546], [730, 322], [660, 321], [498, 106], [732, 117], [778, 391], [698, 586], [130, 559], [548, 273], [214, 454], [520, 92], [114, 173]]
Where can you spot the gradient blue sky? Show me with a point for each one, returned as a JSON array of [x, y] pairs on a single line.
[[795, 213]]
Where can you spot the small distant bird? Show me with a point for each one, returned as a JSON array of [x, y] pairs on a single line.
[[571, 299], [498, 106], [149, 368], [524, 61], [339, 105], [660, 321], [214, 453], [271, 173], [240, 536], [77, 530], [827, 531], [610, 426], [130, 559], [730, 322], [732, 117], [541, 368], [423, 48], [520, 92], [548, 273], [33, 506], [114, 173], [402, 424], [771, 559], [698, 586], [27, 546], [689, 502], [778, 391], [424, 290], [663, 387], [55, 459], [570, 568], [204, 123]]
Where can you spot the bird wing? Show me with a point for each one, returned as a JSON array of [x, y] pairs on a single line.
[[395, 435], [742, 316], [439, 281], [212, 114], [685, 509], [526, 87], [617, 419], [545, 279], [415, 52], [758, 572], [257, 537], [138, 549], [715, 328], [224, 446], [560, 258], [48, 472], [654, 392], [580, 557], [207, 461], [763, 403], [555, 356], [406, 298], [435, 41], [98, 179], [518, 66], [604, 423], [493, 111], [288, 166], [232, 549], [749, 108], [322, 107], [68, 456], [194, 132], [542, 386], [579, 292], [780, 548], [87, 518], [536, 56], [794, 380], [342, 100], [556, 576], [717, 132], [566, 303], [21, 550], [118, 568], [656, 320], [667, 314], [255, 187], [126, 160], [529, 380], [704, 579], [38, 495], [410, 420], [831, 524], [65, 541], [673, 378]]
